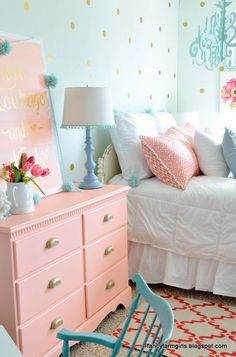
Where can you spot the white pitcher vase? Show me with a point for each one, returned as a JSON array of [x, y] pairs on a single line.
[[20, 195]]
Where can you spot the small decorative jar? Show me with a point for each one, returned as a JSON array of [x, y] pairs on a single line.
[[20, 195]]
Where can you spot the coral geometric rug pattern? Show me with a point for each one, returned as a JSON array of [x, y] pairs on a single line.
[[202, 329]]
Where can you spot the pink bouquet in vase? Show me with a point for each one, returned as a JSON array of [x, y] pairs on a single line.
[[26, 171]]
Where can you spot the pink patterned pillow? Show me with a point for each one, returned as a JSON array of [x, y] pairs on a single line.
[[171, 158]]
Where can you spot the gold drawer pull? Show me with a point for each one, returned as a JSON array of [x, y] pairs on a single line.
[[52, 242], [54, 282], [108, 217], [110, 284], [56, 323], [108, 250]]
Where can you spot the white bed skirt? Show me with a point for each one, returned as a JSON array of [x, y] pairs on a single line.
[[160, 266]]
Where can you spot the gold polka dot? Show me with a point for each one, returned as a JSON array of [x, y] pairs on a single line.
[[117, 12], [221, 68], [159, 28], [129, 95], [88, 2], [150, 96], [104, 34], [140, 72], [168, 95], [26, 6], [202, 90], [174, 75], [151, 44], [129, 40], [159, 72], [72, 167], [202, 4], [185, 24], [169, 4], [50, 56], [141, 20], [72, 25], [168, 50], [117, 71], [88, 63]]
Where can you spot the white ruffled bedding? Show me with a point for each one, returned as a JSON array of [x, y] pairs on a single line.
[[198, 223]]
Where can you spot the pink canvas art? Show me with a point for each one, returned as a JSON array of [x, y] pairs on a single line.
[[25, 114]]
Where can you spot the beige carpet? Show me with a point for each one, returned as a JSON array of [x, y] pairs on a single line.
[[113, 320]]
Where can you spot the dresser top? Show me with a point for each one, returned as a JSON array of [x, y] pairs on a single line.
[[59, 204]]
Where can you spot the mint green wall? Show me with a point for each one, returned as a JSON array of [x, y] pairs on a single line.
[[198, 89], [128, 45]]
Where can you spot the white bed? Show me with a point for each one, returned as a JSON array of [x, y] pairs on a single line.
[[180, 238]]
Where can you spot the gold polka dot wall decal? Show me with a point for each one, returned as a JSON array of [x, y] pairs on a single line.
[[50, 56], [26, 6], [202, 4], [159, 72], [185, 24], [168, 96], [88, 2], [129, 95], [221, 68], [151, 44], [168, 50], [104, 33], [72, 167], [88, 63], [141, 20], [169, 4], [117, 12], [159, 28], [202, 90], [129, 40], [150, 96], [174, 75], [140, 72], [72, 25], [117, 71]]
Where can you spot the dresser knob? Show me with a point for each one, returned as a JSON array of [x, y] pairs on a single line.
[[54, 282], [108, 250], [108, 217], [56, 323], [110, 284], [52, 242]]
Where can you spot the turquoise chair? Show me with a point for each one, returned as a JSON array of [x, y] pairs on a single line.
[[161, 336]]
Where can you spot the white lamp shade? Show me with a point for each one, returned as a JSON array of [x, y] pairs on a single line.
[[87, 106]]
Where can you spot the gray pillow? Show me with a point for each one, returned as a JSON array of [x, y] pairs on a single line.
[[229, 149]]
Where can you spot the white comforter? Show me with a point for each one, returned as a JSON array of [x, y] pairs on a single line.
[[198, 222]]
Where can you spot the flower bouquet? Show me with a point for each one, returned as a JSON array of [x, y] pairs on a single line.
[[19, 191], [20, 173]]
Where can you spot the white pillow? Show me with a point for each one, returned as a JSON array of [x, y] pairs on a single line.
[[125, 138], [210, 155], [163, 121]]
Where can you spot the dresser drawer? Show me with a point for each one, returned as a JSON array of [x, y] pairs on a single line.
[[37, 338], [39, 291], [41, 248], [106, 287], [103, 254], [104, 220]]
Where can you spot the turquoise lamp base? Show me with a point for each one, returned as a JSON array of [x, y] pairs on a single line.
[[90, 180]]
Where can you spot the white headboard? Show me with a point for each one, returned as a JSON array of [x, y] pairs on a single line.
[[108, 165]]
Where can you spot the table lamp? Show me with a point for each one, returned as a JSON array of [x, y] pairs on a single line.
[[88, 107]]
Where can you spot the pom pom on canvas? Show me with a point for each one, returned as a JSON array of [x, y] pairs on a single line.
[[36, 198], [5, 48], [133, 181], [50, 80], [70, 187]]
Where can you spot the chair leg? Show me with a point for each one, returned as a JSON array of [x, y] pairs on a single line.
[[65, 349]]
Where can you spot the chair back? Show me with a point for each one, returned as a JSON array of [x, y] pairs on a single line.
[[161, 326]]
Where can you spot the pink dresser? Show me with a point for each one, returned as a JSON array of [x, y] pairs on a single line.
[[65, 265]]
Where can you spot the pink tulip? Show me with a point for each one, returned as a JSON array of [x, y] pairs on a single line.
[[11, 177], [23, 159], [45, 172], [31, 160], [8, 168], [36, 170], [27, 166]]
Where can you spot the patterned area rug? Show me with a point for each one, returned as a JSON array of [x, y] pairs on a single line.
[[202, 329]]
